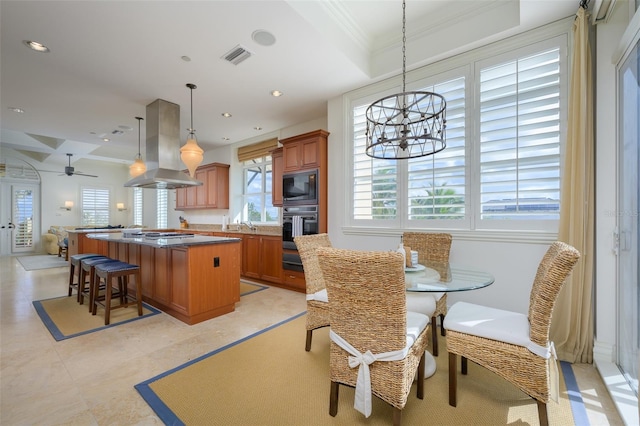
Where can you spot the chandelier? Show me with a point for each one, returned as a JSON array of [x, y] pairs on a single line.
[[190, 153], [408, 124], [138, 167]]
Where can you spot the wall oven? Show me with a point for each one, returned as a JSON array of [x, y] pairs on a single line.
[[296, 220]]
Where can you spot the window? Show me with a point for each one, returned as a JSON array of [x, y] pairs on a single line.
[[137, 206], [501, 167], [161, 208], [95, 206], [257, 175]]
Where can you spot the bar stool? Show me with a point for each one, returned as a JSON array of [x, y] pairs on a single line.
[[107, 271], [74, 262], [88, 269]]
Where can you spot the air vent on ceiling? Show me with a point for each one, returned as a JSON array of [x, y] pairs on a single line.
[[236, 55]]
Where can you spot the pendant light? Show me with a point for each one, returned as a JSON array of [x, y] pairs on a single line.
[[408, 124], [191, 153], [138, 167]]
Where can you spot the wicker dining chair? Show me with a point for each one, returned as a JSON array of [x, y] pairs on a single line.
[[317, 307], [431, 247], [513, 345], [368, 317]]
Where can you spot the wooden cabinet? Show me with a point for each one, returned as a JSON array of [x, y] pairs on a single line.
[[306, 151], [271, 259], [78, 243], [294, 279], [212, 194], [193, 282], [262, 257], [277, 167], [234, 235], [179, 270]]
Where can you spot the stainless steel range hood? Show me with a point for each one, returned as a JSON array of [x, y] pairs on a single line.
[[163, 150]]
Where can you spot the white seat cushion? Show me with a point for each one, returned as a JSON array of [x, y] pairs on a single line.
[[495, 324], [416, 322], [421, 302]]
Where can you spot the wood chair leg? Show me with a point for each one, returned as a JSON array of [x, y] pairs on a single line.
[[542, 413], [463, 366], [453, 377], [138, 292], [421, 377], [397, 416], [107, 300], [307, 345], [72, 270], [333, 399], [443, 332], [434, 337]]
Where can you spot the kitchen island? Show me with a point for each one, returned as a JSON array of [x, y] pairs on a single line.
[[190, 277]]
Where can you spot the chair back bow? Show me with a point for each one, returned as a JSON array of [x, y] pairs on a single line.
[[362, 401]]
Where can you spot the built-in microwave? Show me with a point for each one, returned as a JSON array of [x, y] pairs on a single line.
[[300, 188]]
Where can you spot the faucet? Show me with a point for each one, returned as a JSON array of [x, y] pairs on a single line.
[[249, 225]]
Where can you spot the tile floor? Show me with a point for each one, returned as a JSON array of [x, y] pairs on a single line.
[[88, 380]]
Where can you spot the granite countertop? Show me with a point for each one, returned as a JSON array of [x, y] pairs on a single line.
[[90, 230], [261, 229], [163, 242]]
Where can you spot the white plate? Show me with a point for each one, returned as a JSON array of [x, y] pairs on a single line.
[[415, 268]]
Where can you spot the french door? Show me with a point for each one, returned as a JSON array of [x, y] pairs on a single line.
[[19, 218], [628, 339]]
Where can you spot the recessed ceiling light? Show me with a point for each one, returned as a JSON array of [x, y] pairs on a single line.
[[276, 93], [105, 139], [263, 37], [257, 128], [226, 114], [34, 45], [225, 139], [16, 109]]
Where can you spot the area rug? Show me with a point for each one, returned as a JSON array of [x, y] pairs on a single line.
[[248, 287], [32, 263], [65, 318], [268, 379]]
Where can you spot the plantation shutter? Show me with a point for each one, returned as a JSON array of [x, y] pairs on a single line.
[[137, 206], [23, 218], [161, 208], [436, 183], [95, 207], [520, 138], [374, 180]]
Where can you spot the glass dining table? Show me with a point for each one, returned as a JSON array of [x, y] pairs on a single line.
[[443, 277]]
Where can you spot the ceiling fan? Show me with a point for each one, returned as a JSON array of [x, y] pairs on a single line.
[[70, 170]]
